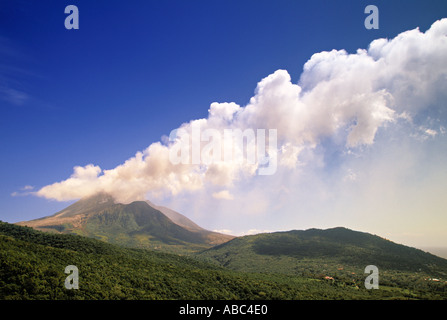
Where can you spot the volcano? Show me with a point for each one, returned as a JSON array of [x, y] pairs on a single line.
[[139, 224]]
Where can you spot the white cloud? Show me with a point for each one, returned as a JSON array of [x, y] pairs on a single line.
[[223, 195], [225, 231], [431, 132], [350, 176], [342, 100], [253, 231], [14, 96], [24, 191]]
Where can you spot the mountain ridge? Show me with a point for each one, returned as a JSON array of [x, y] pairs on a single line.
[[177, 218], [334, 249], [137, 224]]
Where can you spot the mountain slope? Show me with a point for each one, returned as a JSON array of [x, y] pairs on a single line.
[[337, 251], [214, 238], [135, 225], [33, 262]]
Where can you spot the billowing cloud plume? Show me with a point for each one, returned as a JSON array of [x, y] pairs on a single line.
[[346, 98]]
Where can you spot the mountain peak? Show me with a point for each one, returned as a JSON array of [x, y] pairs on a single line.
[[139, 224], [99, 197], [98, 201]]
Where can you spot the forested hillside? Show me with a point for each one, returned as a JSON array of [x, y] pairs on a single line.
[[33, 262], [338, 254]]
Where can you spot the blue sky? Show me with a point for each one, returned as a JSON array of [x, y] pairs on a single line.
[[136, 70]]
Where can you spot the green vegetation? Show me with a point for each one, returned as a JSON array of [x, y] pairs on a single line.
[[137, 225], [134, 225], [32, 266], [337, 254]]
